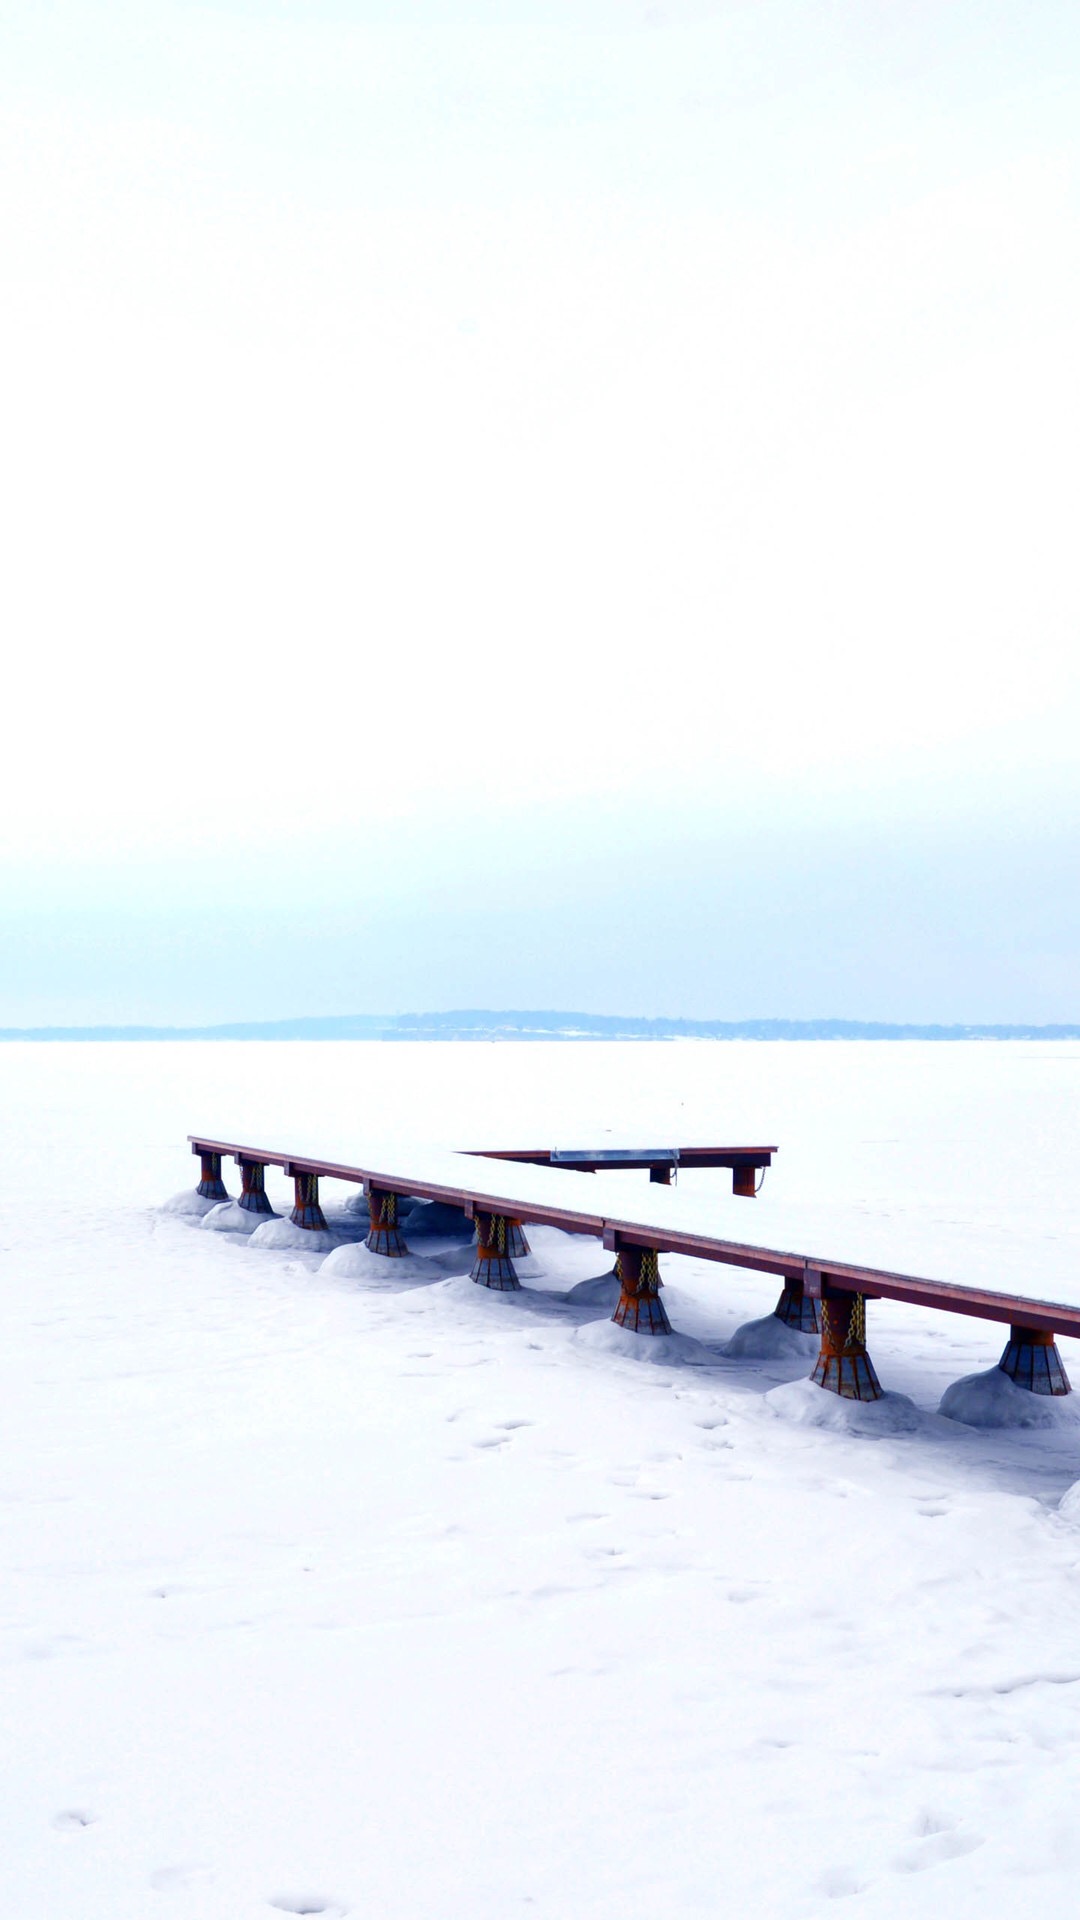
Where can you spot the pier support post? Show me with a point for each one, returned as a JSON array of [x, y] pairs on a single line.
[[494, 1266], [796, 1309], [1032, 1360], [640, 1307], [307, 1211], [744, 1181], [616, 1269], [211, 1186], [384, 1235], [253, 1187], [517, 1246], [843, 1365]]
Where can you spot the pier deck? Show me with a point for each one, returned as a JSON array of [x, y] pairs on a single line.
[[1031, 1278]]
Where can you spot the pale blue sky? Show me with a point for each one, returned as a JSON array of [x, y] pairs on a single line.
[[540, 505]]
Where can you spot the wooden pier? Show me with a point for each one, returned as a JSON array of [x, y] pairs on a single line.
[[826, 1275]]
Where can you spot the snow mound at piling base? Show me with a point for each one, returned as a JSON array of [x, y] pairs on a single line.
[[648, 1349], [1069, 1504], [357, 1203], [993, 1400], [604, 1291], [805, 1404], [286, 1236], [770, 1339], [438, 1218], [357, 1262], [189, 1204], [228, 1216]]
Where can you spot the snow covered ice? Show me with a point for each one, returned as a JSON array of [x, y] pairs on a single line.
[[412, 1601]]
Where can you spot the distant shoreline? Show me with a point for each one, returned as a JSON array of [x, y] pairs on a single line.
[[542, 1026]]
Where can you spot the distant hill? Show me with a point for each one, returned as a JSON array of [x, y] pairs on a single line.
[[485, 1025]]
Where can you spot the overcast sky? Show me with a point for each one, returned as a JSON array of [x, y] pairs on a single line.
[[560, 504]]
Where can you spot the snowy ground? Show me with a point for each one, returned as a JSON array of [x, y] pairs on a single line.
[[332, 1595]]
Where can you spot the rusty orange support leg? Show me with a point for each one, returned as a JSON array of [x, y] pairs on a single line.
[[517, 1246], [1032, 1360], [307, 1212], [796, 1309], [744, 1181], [253, 1188], [640, 1306], [211, 1185], [843, 1365], [493, 1266], [384, 1235]]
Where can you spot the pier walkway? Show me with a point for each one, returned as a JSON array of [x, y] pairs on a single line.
[[828, 1269]]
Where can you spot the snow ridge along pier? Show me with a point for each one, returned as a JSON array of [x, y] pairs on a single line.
[[578, 1191]]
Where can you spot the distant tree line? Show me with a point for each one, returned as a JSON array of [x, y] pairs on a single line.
[[484, 1024]]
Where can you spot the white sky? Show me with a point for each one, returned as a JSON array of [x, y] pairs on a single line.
[[540, 505]]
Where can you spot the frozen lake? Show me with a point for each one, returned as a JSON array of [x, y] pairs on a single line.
[[410, 1602]]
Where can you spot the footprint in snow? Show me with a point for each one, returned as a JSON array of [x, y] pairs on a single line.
[[308, 1903], [935, 1851], [938, 1841], [73, 1820], [190, 1874], [502, 1434]]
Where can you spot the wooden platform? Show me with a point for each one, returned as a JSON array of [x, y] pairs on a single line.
[[658, 1161]]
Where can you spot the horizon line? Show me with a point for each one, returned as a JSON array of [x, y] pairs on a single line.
[[495, 1024]]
